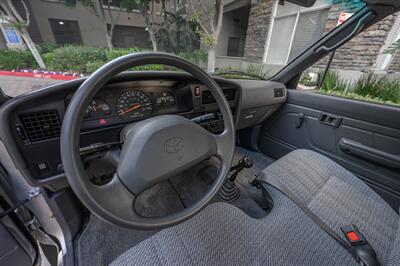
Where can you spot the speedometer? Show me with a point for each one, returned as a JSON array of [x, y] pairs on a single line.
[[134, 104]]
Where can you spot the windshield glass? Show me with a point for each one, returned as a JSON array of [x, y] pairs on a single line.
[[43, 42]]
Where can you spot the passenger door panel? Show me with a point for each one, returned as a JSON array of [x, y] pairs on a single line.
[[366, 140]]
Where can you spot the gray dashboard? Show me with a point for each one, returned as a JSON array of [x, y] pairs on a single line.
[[251, 101]]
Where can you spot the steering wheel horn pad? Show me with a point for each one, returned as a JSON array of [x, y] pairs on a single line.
[[157, 148], [153, 149]]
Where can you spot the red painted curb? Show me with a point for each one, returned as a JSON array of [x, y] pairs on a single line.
[[37, 75]]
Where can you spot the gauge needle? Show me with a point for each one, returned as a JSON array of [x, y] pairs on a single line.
[[137, 106]]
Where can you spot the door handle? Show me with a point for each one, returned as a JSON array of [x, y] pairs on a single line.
[[369, 153], [330, 120]]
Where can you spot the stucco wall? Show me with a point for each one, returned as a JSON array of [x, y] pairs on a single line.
[[90, 27], [234, 25]]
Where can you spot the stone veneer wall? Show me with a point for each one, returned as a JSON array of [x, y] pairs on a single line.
[[395, 64], [257, 30], [361, 52]]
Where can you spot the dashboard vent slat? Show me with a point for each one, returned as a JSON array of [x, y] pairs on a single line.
[[42, 125], [207, 98]]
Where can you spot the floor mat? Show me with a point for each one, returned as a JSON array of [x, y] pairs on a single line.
[[100, 243]]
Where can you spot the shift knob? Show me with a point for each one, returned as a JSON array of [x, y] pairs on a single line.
[[246, 162]]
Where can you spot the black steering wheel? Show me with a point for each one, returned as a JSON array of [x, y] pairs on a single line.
[[154, 149]]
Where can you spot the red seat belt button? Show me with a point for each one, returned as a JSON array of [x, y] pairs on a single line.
[[353, 237]]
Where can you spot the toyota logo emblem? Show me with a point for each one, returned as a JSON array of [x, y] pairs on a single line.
[[174, 145]]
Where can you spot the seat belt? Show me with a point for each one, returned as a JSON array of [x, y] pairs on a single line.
[[359, 254]]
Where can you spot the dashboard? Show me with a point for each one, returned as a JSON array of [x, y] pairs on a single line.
[[34, 120]]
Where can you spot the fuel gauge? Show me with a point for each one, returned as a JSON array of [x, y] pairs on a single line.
[[97, 108]]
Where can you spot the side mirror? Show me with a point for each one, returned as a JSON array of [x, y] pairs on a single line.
[[310, 80], [304, 3]]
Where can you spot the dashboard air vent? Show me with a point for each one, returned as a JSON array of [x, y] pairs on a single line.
[[42, 125], [207, 98]]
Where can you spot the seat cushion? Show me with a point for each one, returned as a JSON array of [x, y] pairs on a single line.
[[338, 197], [224, 235]]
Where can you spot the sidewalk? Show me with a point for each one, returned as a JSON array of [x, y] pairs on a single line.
[[14, 86]]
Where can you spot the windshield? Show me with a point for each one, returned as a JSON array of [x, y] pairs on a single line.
[[43, 42]]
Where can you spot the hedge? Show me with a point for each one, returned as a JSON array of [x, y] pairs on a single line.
[[76, 59], [369, 87], [16, 59]]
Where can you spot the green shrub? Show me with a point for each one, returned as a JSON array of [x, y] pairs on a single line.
[[384, 89], [332, 82], [48, 58], [82, 59], [111, 54], [47, 47], [93, 66], [390, 91], [11, 59], [76, 58], [368, 87], [196, 57]]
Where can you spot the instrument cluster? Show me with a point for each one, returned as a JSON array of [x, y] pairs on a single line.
[[120, 104]]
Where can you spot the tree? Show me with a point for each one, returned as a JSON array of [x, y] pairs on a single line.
[[209, 24], [96, 7], [147, 10], [177, 35], [10, 13]]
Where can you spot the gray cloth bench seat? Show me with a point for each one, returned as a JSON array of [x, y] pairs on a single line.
[[223, 235]]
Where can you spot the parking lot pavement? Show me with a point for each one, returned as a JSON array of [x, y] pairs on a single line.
[[14, 86]]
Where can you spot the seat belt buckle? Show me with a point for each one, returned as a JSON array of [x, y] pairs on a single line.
[[353, 235], [360, 245]]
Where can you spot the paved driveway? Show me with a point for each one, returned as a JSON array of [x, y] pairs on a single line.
[[14, 86]]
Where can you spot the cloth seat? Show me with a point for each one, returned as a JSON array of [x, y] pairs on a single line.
[[223, 235]]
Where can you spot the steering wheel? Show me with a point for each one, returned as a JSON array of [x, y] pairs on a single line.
[[153, 149]]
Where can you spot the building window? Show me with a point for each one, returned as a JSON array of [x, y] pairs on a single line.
[[295, 28], [65, 31], [129, 36]]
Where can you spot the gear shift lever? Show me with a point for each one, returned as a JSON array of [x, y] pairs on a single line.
[[229, 191], [245, 162]]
